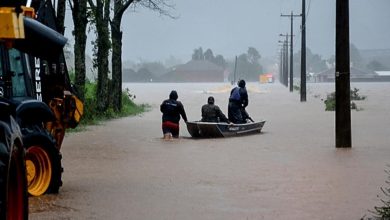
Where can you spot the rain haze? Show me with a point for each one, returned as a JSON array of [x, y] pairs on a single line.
[[291, 170], [229, 27]]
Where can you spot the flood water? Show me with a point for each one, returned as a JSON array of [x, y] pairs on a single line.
[[292, 170]]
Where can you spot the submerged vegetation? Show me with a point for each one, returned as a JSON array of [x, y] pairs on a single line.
[[382, 212], [330, 101]]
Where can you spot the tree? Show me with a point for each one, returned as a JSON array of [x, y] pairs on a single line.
[[198, 54], [172, 61], [220, 61], [61, 16], [314, 62], [101, 13], [208, 55], [248, 65], [156, 68], [80, 21], [253, 55], [120, 6]]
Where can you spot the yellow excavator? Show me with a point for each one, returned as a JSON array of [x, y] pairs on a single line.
[[37, 104]]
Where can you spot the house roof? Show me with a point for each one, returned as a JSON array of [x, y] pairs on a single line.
[[383, 73], [354, 72], [198, 66], [195, 71]]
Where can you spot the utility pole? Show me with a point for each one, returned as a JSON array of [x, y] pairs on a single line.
[[234, 74], [303, 53], [284, 61], [285, 55], [291, 48], [342, 76], [286, 58], [281, 63]]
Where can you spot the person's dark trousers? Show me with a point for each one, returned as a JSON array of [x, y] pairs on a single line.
[[234, 113]]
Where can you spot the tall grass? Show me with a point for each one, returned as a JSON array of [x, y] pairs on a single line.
[[92, 116]]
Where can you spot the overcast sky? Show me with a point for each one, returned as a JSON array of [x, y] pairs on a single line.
[[229, 27]]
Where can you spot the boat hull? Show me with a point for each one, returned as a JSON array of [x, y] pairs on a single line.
[[199, 129]]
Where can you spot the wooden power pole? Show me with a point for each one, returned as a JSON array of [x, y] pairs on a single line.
[[342, 76], [291, 48], [303, 54]]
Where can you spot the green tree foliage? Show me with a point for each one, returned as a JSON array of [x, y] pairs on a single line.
[[93, 116], [314, 63], [198, 54], [330, 101], [220, 61], [248, 65], [209, 56], [253, 55], [382, 212]]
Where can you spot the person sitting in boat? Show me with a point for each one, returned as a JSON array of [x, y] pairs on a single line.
[[238, 101], [212, 112], [172, 109]]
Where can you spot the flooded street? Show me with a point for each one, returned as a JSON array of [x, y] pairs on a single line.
[[292, 170]]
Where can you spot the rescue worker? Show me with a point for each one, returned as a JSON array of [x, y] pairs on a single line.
[[172, 110], [238, 101], [212, 112]]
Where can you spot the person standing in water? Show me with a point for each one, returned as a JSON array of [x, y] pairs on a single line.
[[238, 101], [171, 110]]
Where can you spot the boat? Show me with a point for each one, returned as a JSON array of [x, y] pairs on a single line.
[[199, 129]]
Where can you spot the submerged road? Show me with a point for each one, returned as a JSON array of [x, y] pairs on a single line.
[[122, 169]]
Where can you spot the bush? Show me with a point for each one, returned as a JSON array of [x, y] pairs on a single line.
[[330, 101], [93, 116], [382, 212], [356, 96]]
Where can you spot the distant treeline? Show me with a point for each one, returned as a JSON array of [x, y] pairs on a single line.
[[247, 66]]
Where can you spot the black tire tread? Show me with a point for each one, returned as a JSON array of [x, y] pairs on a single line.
[[39, 136]]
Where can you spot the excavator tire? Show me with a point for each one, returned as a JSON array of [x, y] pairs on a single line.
[[13, 186], [43, 162]]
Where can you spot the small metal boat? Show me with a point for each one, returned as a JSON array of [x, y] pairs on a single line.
[[200, 129]]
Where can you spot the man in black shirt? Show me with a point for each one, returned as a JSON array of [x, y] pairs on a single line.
[[172, 110]]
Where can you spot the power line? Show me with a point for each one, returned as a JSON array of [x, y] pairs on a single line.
[[308, 10]]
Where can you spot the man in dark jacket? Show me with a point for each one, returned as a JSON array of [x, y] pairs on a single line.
[[212, 112], [172, 110], [238, 100]]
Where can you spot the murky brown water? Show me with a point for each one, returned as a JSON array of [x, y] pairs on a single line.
[[124, 170]]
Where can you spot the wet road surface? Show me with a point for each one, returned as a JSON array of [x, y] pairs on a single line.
[[292, 170]]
